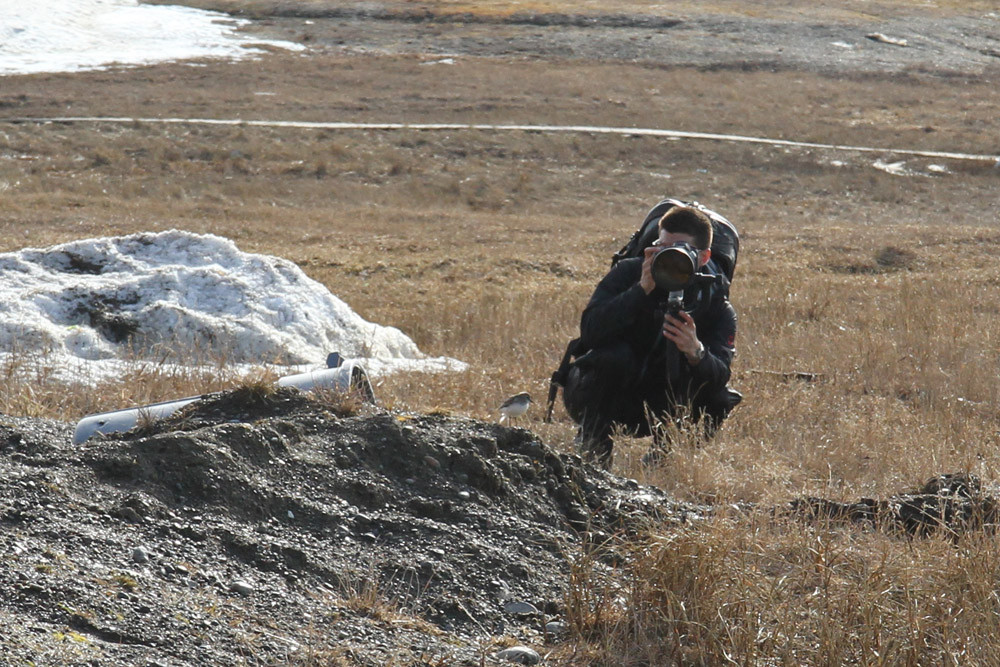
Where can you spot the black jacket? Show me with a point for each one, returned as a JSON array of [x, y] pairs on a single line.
[[620, 311]]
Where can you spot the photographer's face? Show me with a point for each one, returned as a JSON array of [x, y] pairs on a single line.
[[668, 239]]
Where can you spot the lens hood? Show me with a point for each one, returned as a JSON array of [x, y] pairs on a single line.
[[674, 267]]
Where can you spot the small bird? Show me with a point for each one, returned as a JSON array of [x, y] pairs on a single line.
[[515, 406]]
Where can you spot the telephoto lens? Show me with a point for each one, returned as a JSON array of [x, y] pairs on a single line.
[[674, 267]]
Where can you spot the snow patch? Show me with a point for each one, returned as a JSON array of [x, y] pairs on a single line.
[[92, 306], [75, 35]]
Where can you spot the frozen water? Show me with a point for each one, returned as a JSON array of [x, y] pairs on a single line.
[[72, 35], [89, 306]]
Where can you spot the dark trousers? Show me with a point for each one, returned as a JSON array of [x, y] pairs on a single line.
[[612, 387]]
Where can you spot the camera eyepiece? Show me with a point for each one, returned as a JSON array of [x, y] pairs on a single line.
[[674, 267]]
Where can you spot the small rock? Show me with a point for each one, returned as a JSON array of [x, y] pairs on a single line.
[[140, 555], [129, 515], [241, 587], [522, 655], [520, 608], [502, 589], [291, 514], [432, 462], [464, 495], [555, 627]]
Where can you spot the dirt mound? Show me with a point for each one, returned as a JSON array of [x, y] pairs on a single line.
[[267, 524]]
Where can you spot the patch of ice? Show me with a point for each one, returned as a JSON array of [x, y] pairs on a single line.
[[74, 35], [886, 39], [901, 169], [895, 168], [92, 308]]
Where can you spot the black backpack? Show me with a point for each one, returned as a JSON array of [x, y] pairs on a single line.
[[725, 238], [725, 251]]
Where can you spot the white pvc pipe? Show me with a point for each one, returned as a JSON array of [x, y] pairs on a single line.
[[349, 376]]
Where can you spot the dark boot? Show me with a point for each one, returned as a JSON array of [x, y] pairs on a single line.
[[594, 439], [713, 412], [599, 452], [661, 447]]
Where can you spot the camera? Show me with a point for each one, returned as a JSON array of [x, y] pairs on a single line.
[[675, 270], [674, 267]]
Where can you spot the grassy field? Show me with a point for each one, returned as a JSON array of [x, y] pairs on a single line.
[[485, 246]]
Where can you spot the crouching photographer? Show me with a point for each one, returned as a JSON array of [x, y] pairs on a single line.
[[657, 339]]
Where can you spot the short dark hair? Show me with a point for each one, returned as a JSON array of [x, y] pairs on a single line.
[[689, 220]]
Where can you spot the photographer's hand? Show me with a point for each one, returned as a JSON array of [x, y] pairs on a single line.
[[681, 330], [646, 281]]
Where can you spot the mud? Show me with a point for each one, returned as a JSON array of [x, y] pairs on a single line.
[[900, 44]]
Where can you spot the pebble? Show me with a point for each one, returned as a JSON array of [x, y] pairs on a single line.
[[522, 655], [432, 462], [140, 555], [520, 608], [241, 587], [555, 627], [464, 495], [130, 515]]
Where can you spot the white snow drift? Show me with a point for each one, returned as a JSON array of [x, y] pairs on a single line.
[[88, 305]]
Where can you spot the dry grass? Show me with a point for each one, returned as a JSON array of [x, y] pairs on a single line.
[[756, 592], [485, 247]]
